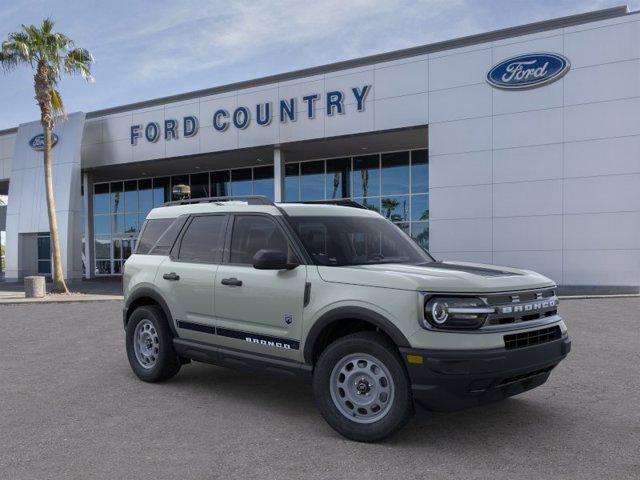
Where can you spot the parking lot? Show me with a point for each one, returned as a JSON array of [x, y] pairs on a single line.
[[71, 408]]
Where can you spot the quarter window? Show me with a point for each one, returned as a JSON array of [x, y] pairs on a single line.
[[204, 239], [152, 231]]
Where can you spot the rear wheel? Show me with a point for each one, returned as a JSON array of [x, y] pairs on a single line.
[[362, 388], [150, 345]]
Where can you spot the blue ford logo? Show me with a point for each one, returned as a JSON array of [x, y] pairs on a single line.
[[528, 71], [37, 142]]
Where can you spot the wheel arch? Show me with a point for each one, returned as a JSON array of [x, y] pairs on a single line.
[[147, 296], [328, 321]]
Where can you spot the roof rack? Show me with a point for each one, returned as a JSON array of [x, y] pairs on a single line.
[[341, 203], [250, 199]]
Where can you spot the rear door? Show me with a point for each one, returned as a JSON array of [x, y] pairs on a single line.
[[187, 276], [259, 310]]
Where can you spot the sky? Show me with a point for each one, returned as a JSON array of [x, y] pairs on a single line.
[[149, 49]]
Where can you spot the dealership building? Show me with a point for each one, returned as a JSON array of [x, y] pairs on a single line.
[[515, 147]]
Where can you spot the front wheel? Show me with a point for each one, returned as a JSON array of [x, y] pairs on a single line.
[[150, 345], [362, 388]]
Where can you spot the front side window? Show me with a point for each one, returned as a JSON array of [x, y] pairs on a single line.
[[203, 240], [341, 241], [252, 233]]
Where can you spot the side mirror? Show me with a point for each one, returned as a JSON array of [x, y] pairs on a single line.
[[272, 260]]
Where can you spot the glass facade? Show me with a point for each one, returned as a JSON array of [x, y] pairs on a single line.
[[119, 208], [44, 253], [395, 184]]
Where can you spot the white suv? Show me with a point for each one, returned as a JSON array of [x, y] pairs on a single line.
[[338, 294]]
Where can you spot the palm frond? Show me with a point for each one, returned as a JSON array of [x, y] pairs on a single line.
[[78, 62], [56, 101], [47, 25], [49, 53]]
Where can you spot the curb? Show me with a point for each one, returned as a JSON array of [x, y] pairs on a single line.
[[30, 301]]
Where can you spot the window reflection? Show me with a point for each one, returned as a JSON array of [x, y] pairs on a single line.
[[338, 178], [102, 224], [220, 182], [366, 176], [420, 207], [145, 195], [312, 180], [419, 171], [101, 198], [199, 185], [102, 247], [394, 184], [395, 209], [292, 182], [420, 233], [116, 197], [161, 191], [241, 182], [131, 196], [263, 181], [395, 173]]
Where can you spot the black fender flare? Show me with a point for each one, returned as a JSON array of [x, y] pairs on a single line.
[[355, 313], [148, 292]]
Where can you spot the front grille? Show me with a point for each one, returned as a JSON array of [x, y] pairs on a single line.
[[534, 337], [519, 307]]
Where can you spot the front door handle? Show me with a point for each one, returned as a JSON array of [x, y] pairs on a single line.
[[232, 282], [171, 276]]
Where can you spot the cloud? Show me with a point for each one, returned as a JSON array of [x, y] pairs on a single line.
[[153, 48], [201, 35]]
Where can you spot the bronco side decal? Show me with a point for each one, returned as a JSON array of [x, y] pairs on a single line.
[[265, 340]]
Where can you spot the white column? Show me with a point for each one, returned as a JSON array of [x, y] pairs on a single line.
[[87, 205], [278, 174]]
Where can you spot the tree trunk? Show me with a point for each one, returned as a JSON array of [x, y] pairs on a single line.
[[42, 85], [59, 285]]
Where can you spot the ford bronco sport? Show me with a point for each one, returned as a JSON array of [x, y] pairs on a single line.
[[340, 295]]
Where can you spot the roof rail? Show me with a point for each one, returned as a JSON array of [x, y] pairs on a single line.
[[341, 203], [250, 199]]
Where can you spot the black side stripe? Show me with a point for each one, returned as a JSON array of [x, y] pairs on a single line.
[[197, 327], [240, 335]]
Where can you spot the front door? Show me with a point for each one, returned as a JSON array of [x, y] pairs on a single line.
[[187, 277], [259, 310]]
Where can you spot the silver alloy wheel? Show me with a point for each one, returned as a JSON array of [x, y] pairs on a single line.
[[146, 344], [362, 388]]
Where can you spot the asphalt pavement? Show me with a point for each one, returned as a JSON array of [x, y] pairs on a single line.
[[70, 408]]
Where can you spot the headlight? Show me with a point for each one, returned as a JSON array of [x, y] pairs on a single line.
[[455, 313]]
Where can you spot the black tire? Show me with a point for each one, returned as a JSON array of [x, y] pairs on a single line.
[[166, 363], [400, 408]]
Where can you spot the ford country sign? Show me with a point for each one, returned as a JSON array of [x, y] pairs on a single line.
[[528, 71], [37, 142]]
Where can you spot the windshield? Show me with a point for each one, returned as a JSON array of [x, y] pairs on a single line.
[[340, 241]]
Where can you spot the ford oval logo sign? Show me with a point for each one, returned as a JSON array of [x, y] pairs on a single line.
[[528, 71], [37, 142]]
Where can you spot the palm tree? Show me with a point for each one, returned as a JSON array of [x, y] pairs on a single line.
[[49, 54]]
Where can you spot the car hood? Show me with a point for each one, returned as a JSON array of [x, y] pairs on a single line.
[[461, 277]]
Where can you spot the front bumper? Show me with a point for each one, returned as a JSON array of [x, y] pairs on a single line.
[[449, 380]]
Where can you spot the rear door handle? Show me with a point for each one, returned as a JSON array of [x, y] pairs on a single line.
[[232, 282], [171, 276]]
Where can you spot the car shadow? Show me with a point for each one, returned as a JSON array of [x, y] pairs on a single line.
[[505, 422]]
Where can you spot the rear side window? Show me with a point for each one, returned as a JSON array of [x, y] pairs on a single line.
[[153, 229], [203, 240]]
